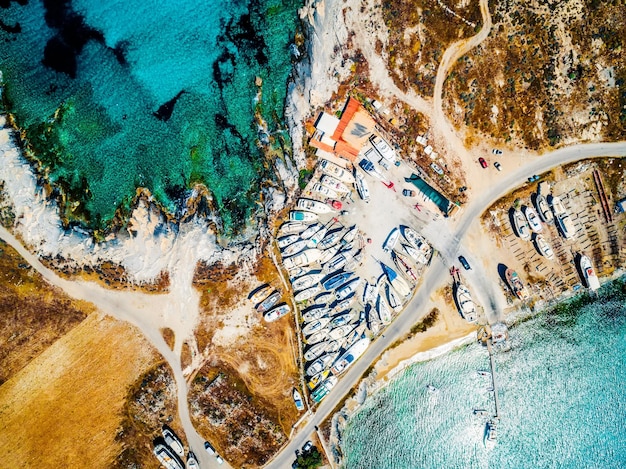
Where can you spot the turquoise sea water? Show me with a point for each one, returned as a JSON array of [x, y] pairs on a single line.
[[562, 391], [158, 94]]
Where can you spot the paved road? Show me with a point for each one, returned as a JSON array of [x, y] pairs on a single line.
[[435, 275]]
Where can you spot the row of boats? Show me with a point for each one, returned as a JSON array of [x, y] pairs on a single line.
[[170, 451]]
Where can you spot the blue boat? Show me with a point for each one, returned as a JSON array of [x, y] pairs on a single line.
[[336, 280]]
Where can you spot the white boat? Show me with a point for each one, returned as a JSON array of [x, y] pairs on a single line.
[[336, 171], [311, 230], [350, 356], [403, 264], [491, 435], [591, 279], [543, 247], [314, 312], [395, 280], [345, 304], [521, 225], [341, 320], [340, 332], [277, 312], [416, 255], [307, 293], [466, 305], [383, 148], [300, 215], [349, 236], [353, 336], [392, 299], [384, 314], [324, 190], [285, 241], [328, 254], [172, 441], [192, 461], [317, 237], [544, 209], [315, 351], [324, 297], [334, 184], [305, 257], [347, 288], [315, 326], [391, 240], [413, 238], [313, 206], [331, 238], [533, 219], [292, 227], [268, 302], [336, 262], [566, 226], [335, 345], [320, 364], [260, 293], [167, 457], [361, 186], [297, 399], [294, 248], [368, 293], [320, 336], [557, 206], [308, 280], [296, 272]]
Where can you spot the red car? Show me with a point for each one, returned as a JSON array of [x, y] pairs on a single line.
[[482, 162]]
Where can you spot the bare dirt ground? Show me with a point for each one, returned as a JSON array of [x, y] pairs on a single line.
[[64, 408]]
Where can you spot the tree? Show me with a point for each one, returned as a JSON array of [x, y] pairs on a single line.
[[310, 459]]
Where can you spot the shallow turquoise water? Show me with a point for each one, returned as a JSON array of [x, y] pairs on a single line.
[[562, 391], [112, 67]]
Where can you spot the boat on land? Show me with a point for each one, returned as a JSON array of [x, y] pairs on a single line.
[[285, 241], [317, 379], [294, 248], [361, 186], [192, 461], [317, 237], [324, 298], [396, 281], [341, 319], [533, 219], [355, 334], [521, 225], [415, 254], [324, 388], [172, 441], [466, 305], [340, 332], [589, 274], [320, 364], [336, 171], [566, 226], [308, 280], [332, 237], [305, 257], [334, 184], [543, 247], [515, 284], [277, 312], [337, 262], [384, 313], [307, 293], [319, 336], [315, 326], [417, 241], [349, 236], [260, 293], [313, 206], [296, 272], [544, 209], [297, 399], [391, 240], [343, 304], [301, 215], [335, 280], [292, 227], [167, 457], [557, 206], [335, 345], [324, 190], [491, 434], [311, 230], [347, 288], [403, 264], [315, 351], [268, 302], [350, 356], [314, 312], [328, 254], [392, 299], [368, 293]]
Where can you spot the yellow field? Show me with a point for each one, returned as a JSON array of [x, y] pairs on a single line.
[[64, 408]]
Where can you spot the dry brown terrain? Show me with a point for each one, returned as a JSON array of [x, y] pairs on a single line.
[[64, 408], [550, 73], [240, 400]]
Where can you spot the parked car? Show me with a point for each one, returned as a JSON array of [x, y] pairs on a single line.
[[209, 448], [307, 446], [408, 193], [495, 151], [533, 178], [464, 263], [462, 189], [498, 166], [219, 459], [366, 165], [482, 162]]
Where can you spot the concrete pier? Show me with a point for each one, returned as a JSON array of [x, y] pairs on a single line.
[[493, 378]]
